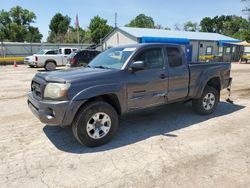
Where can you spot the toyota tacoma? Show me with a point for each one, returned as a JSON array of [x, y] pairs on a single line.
[[121, 80]]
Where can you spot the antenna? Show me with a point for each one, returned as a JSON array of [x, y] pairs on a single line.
[[116, 19]]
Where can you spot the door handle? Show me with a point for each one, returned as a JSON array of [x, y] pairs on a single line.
[[163, 76]]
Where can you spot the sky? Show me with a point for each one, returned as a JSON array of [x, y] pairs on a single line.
[[164, 12]]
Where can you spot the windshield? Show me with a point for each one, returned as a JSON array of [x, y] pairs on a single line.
[[41, 52], [72, 54], [113, 58]]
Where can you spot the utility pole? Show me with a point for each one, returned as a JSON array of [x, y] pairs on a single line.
[[2, 26]]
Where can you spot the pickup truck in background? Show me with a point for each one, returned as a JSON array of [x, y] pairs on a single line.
[[29, 60], [52, 59], [121, 80]]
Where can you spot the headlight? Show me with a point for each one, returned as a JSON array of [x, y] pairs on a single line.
[[56, 90]]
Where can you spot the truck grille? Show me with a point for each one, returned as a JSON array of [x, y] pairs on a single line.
[[36, 89]]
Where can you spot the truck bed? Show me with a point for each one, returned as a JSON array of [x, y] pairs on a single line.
[[199, 71]]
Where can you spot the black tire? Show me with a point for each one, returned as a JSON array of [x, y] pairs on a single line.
[[198, 105], [50, 66], [31, 66], [79, 126]]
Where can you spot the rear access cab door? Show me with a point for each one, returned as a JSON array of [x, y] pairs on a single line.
[[147, 87], [178, 72]]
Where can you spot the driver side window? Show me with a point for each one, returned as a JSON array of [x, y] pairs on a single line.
[[152, 58]]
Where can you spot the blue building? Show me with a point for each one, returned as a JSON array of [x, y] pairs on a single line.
[[196, 44]]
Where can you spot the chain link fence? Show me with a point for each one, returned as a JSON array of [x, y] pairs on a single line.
[[17, 49]]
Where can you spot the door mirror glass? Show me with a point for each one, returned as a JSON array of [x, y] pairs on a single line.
[[136, 66]]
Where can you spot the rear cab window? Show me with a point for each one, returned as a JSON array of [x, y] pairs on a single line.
[[174, 57], [67, 51]]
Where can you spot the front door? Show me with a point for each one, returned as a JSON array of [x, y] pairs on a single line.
[[148, 87]]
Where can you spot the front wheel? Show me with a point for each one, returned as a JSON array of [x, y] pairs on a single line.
[[208, 101], [95, 124]]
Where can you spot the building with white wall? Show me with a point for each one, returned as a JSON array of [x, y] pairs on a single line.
[[196, 44]]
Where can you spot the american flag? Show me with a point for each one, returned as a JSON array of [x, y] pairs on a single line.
[[77, 21]]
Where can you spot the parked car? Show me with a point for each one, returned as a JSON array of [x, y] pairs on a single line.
[[81, 58], [52, 60], [121, 80], [29, 60]]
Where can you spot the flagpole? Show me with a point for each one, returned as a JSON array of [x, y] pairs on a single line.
[[77, 28]]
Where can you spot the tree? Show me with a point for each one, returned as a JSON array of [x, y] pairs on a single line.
[[142, 21], [237, 27], [59, 25], [207, 24], [215, 24], [98, 28], [71, 36], [234, 26], [177, 27], [33, 35], [159, 26], [191, 26], [16, 25]]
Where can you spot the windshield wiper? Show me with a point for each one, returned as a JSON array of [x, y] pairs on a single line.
[[101, 67]]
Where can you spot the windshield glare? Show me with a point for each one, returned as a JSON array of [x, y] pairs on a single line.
[[113, 58]]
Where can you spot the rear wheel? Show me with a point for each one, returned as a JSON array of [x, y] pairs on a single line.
[[50, 66], [208, 101], [95, 124]]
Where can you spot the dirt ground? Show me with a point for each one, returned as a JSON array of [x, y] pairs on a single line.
[[168, 146]]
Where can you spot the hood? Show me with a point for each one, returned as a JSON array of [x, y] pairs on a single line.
[[76, 74]]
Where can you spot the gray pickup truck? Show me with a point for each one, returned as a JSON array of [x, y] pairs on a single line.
[[121, 80]]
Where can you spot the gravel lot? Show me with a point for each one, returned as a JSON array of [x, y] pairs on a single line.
[[168, 146]]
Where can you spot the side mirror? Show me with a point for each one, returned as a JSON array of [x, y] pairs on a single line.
[[136, 66]]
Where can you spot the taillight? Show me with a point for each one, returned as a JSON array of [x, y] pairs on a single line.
[[73, 61], [36, 58]]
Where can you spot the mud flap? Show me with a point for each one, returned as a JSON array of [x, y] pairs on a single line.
[[229, 92]]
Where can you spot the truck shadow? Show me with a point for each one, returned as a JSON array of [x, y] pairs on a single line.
[[140, 125]]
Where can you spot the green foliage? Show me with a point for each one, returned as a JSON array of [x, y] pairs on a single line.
[[234, 26], [142, 21], [61, 31], [15, 25], [59, 25], [207, 24], [191, 26], [214, 24], [84, 36], [98, 28], [33, 35], [159, 26]]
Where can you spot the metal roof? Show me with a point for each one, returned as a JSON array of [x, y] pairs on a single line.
[[144, 32]]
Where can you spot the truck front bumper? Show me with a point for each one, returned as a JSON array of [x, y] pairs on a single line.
[[48, 112]]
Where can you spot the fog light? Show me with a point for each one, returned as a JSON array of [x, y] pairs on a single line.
[[51, 114], [49, 117]]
